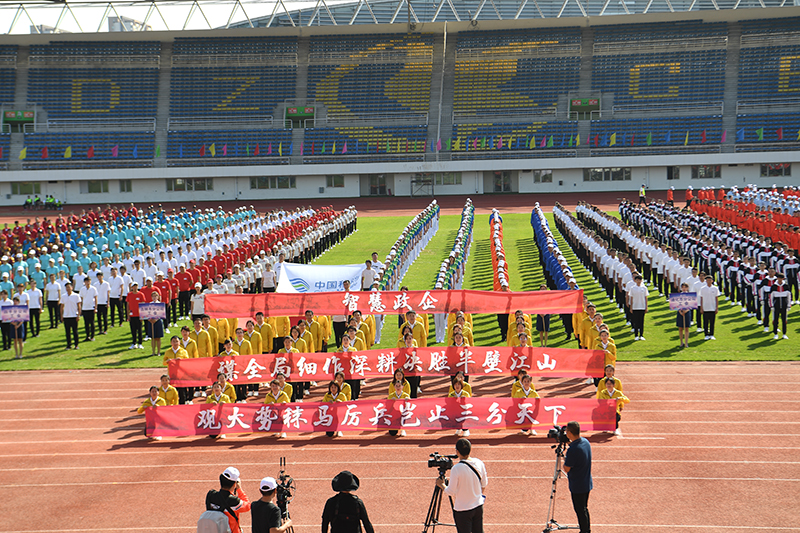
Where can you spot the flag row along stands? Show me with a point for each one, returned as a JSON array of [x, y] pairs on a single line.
[[499, 265], [87, 153], [405, 250], [211, 150]]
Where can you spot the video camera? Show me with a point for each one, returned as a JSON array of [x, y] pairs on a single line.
[[559, 434], [286, 489], [442, 462]]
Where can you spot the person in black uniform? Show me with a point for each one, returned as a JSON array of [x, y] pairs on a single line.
[[345, 511], [229, 499], [266, 516]]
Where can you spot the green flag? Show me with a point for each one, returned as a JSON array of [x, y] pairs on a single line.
[[449, 141], [483, 143], [650, 139], [323, 147], [550, 142], [760, 132], [570, 141], [247, 149], [158, 151]]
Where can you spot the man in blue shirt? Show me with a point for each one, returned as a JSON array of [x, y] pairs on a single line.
[[578, 466]]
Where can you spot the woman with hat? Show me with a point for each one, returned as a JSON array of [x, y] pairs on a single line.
[[345, 512]]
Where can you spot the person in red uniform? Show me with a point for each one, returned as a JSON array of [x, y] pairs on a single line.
[[134, 298], [689, 196], [185, 283]]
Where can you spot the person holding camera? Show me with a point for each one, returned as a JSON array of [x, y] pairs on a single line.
[[468, 479], [345, 512], [578, 466], [230, 499], [265, 514]]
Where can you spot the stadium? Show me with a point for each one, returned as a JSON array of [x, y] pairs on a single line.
[[485, 149]]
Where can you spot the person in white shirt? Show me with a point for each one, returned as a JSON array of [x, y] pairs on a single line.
[[709, 304], [115, 286], [70, 310], [103, 289], [468, 479], [368, 276], [53, 294], [88, 308], [35, 302], [637, 300]]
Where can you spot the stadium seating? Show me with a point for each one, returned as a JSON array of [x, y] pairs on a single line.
[[131, 146], [777, 128], [365, 85], [5, 146], [234, 45], [494, 82], [515, 136], [656, 31], [365, 140], [8, 75], [769, 73], [767, 26], [664, 132], [185, 146], [70, 49]]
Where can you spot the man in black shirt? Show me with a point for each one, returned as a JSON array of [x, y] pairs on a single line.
[[230, 499], [578, 466], [345, 511], [265, 514]]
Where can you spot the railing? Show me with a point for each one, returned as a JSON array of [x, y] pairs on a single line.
[[545, 50], [201, 123], [593, 115], [497, 115], [90, 124], [745, 105], [655, 150], [371, 57], [233, 59], [630, 108], [626, 47], [6, 128], [767, 147], [3, 166], [406, 118], [72, 60], [535, 153], [769, 39], [288, 123], [66, 164], [363, 158], [227, 161]]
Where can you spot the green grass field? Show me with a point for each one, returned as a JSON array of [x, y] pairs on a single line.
[[739, 337]]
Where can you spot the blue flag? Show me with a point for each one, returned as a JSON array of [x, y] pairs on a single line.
[[516, 144], [563, 140], [291, 147], [236, 150], [604, 141], [180, 150], [135, 151], [668, 137], [740, 135], [357, 146]]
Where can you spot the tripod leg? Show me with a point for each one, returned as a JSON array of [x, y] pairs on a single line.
[[432, 518]]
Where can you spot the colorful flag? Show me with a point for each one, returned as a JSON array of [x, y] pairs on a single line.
[[225, 149], [291, 147], [760, 133], [439, 145], [257, 149], [23, 153], [158, 150], [550, 142], [45, 153], [357, 149], [624, 139], [596, 140], [1, 152], [500, 143], [213, 149], [613, 139], [280, 148], [247, 149], [269, 149], [633, 137], [724, 136], [68, 152], [650, 138], [344, 148], [406, 144], [312, 148], [667, 137], [798, 134], [779, 131], [516, 144], [703, 137], [483, 143], [323, 147], [90, 152], [570, 141], [202, 151], [475, 143], [578, 140], [302, 145], [544, 142], [180, 151], [740, 135], [686, 140], [563, 140], [333, 149], [136, 151], [449, 144], [115, 150]]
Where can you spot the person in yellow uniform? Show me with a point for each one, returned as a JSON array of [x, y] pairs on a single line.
[[276, 395], [397, 393], [315, 329], [586, 338], [307, 336], [188, 344], [264, 329], [417, 329], [344, 387], [526, 390], [223, 331], [520, 328], [333, 395], [356, 342], [153, 400], [610, 393], [217, 396], [362, 325], [174, 351], [512, 320], [459, 340], [242, 347], [297, 341], [202, 338], [213, 334], [400, 375], [466, 329], [609, 371], [233, 323], [227, 349], [227, 389], [517, 385], [577, 321], [405, 334], [604, 343], [452, 318], [589, 331], [460, 376], [254, 338], [297, 389], [325, 324], [168, 392], [370, 321], [459, 392], [281, 327], [351, 387], [285, 387]]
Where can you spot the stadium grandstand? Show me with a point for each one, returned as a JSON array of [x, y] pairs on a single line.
[[390, 98]]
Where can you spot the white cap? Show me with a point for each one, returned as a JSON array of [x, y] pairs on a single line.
[[267, 484], [231, 473], [198, 285]]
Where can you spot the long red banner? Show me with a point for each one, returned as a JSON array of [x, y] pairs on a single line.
[[380, 415], [392, 302], [477, 360]]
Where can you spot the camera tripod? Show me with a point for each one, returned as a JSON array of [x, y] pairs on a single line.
[[552, 525], [432, 518]]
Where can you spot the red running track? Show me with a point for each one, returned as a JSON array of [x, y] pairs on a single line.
[[703, 450]]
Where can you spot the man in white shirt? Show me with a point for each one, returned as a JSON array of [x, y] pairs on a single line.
[[35, 302], [103, 289], [88, 308], [53, 291], [70, 309], [368, 276], [115, 297], [637, 299], [709, 305], [468, 479]]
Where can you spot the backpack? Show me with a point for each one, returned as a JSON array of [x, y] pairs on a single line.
[[346, 522], [213, 522]]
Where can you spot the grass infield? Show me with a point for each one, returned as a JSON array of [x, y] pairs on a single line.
[[738, 337]]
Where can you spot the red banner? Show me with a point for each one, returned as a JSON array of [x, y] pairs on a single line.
[[392, 302], [380, 415], [444, 361]]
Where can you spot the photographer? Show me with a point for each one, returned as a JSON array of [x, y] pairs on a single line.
[[230, 499], [468, 479], [578, 466], [265, 514], [345, 512]]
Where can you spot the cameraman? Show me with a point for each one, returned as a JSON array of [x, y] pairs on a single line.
[[265, 514], [578, 466], [468, 478], [230, 499]]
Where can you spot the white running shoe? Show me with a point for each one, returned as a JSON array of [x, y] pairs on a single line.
[[155, 438], [641, 338], [459, 433], [339, 434], [466, 433], [617, 432], [699, 330], [132, 347], [776, 337], [282, 436], [636, 338], [166, 330], [189, 402], [589, 381], [707, 337], [532, 432], [786, 337], [766, 330], [712, 338], [401, 433]]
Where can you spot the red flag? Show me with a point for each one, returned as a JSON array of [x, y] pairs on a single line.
[[203, 151], [90, 152], [633, 136], [406, 145], [544, 142], [780, 133], [703, 137], [312, 147], [596, 141], [1, 152], [115, 150], [257, 150], [45, 153]]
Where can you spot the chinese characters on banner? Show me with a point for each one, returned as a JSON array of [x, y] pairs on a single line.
[[152, 310], [477, 361], [679, 301], [380, 415], [14, 313], [392, 302]]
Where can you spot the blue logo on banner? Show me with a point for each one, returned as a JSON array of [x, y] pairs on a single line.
[[299, 284]]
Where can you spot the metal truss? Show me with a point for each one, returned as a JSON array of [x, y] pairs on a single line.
[[241, 13]]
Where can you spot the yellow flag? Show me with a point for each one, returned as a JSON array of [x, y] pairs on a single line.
[[613, 139], [280, 148], [798, 135], [213, 150], [23, 153], [333, 151], [578, 140], [68, 152], [686, 140]]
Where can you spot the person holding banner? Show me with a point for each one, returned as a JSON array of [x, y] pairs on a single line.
[[398, 393], [16, 331], [684, 320], [334, 395], [611, 393], [154, 327]]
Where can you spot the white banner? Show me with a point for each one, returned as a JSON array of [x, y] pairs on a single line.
[[296, 277]]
